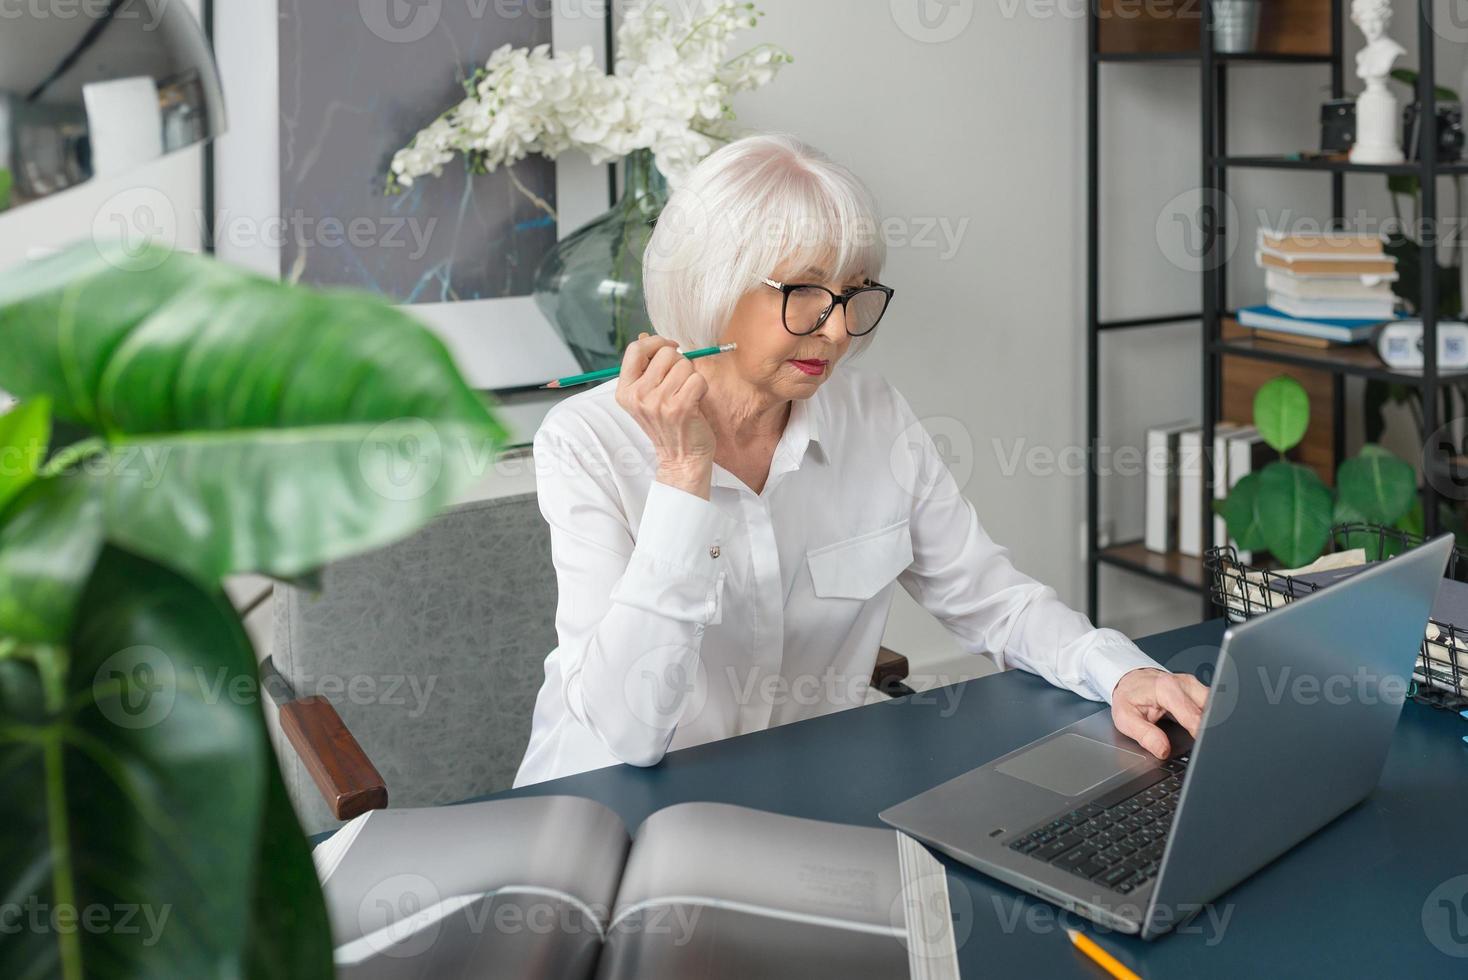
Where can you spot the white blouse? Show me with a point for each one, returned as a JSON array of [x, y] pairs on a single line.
[[683, 620]]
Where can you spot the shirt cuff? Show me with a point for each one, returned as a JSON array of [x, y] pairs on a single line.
[[677, 563], [1111, 656]]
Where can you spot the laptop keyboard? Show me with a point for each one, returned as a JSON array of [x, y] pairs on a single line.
[[1115, 840]]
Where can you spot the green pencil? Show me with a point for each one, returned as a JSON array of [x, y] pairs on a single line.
[[612, 372]]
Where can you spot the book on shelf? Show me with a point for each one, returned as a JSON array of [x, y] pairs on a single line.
[[1382, 308], [554, 886], [1190, 492], [1222, 483], [1247, 452], [1161, 510], [1296, 339], [1383, 268], [1343, 331], [1282, 282], [1324, 242]]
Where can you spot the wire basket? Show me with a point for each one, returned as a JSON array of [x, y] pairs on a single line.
[[1440, 675]]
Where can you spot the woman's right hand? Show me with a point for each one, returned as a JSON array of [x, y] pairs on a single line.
[[660, 389]]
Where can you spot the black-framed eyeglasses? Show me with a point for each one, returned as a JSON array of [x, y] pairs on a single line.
[[807, 306]]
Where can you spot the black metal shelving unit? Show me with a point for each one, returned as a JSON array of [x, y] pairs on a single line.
[[1183, 571]]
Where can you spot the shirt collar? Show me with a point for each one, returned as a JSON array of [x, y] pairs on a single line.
[[802, 430]]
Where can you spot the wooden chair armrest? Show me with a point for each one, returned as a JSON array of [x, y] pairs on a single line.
[[347, 779], [890, 672]]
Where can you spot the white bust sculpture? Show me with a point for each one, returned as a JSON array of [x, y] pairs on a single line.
[[1376, 109]]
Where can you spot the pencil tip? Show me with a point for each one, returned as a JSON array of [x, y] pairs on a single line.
[[553, 384]]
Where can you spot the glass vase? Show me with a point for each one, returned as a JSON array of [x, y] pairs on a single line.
[[590, 285]]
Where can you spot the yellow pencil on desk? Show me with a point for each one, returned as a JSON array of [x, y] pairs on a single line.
[[1099, 956], [612, 372]]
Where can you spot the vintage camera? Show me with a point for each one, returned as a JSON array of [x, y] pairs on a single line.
[[1449, 131], [1338, 126]]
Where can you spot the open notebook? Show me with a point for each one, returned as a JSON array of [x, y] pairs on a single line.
[[553, 886]]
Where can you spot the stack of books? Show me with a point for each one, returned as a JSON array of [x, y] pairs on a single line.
[[1323, 287]]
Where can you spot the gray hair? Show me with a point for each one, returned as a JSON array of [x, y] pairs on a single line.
[[752, 206]]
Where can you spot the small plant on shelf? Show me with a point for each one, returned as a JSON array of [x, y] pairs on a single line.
[[1287, 510]]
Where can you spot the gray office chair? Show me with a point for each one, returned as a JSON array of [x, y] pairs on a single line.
[[415, 667]]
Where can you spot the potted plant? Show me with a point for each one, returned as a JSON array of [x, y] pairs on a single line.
[[217, 423], [1287, 510]]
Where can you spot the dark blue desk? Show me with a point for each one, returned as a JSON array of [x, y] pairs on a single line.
[[1348, 902]]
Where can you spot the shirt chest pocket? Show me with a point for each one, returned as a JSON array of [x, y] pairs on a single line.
[[860, 567]]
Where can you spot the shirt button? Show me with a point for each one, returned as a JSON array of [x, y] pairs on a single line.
[[714, 551]]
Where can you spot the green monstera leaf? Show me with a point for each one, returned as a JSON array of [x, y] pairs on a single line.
[[241, 425], [1282, 413], [1378, 485], [1241, 512], [1295, 510], [47, 547], [136, 782], [227, 424]]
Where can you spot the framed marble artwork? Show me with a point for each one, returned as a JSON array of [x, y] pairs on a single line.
[[321, 101]]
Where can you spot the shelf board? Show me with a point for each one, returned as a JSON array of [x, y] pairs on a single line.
[[1148, 321], [1126, 56], [1173, 568], [1275, 58], [1281, 162], [1193, 55], [1359, 360]]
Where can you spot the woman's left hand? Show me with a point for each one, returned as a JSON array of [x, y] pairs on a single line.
[[1142, 697]]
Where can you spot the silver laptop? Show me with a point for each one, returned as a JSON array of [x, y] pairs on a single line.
[[1299, 718]]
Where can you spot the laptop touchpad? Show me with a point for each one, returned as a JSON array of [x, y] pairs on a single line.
[[1072, 764]]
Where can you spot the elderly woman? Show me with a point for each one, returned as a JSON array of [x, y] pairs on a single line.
[[727, 532]]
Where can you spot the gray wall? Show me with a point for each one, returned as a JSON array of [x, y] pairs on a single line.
[[988, 127]]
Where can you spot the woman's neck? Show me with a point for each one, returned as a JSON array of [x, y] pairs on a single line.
[[741, 414]]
